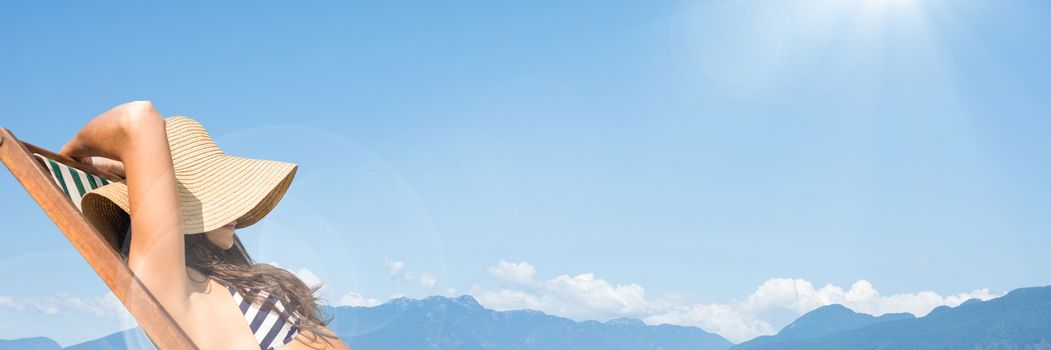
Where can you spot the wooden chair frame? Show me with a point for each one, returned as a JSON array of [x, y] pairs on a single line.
[[97, 250]]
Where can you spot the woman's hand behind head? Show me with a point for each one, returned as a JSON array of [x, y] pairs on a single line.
[[105, 164]]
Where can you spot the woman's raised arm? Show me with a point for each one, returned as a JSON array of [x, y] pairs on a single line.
[[134, 134]]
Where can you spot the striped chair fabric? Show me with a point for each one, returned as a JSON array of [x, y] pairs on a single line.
[[73, 181], [76, 183]]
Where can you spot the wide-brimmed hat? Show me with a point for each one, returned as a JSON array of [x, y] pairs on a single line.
[[213, 188]]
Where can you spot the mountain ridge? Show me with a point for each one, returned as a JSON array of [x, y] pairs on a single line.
[[1020, 319], [35, 343], [439, 322], [825, 320], [462, 323]]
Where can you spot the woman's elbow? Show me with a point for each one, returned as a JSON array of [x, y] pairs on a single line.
[[139, 116]]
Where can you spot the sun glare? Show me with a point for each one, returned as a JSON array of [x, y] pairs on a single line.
[[771, 49], [883, 8]]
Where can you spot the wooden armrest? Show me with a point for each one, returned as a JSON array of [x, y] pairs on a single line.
[[95, 249]]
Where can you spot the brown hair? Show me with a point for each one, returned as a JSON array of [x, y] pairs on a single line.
[[234, 268]]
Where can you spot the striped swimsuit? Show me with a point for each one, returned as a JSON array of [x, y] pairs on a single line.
[[269, 328]]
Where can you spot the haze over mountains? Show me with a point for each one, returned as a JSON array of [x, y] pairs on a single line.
[[1019, 320], [458, 323], [461, 323], [820, 322]]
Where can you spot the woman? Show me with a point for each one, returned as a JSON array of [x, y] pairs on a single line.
[[183, 198]]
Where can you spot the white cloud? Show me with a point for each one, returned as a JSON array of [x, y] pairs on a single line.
[[7, 303], [428, 281], [580, 297], [356, 299], [394, 267], [105, 305], [586, 297], [309, 278], [727, 320], [520, 273], [102, 305], [397, 271], [800, 296]]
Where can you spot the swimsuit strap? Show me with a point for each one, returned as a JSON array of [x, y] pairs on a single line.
[[266, 321]]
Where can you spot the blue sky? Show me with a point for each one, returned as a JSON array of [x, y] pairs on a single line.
[[692, 151]]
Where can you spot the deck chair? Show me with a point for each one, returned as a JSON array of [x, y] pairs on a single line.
[[57, 183]]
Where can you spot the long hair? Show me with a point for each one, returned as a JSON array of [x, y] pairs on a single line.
[[234, 268]]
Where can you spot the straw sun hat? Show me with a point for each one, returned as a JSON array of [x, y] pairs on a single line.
[[213, 188]]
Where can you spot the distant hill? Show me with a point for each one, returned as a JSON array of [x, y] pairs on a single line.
[[35, 343], [461, 323], [1019, 320], [822, 321], [132, 339]]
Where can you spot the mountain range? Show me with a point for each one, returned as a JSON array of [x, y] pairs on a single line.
[[456, 323], [1019, 320], [822, 321], [461, 323]]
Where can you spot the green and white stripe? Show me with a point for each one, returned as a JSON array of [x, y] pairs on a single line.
[[73, 181]]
